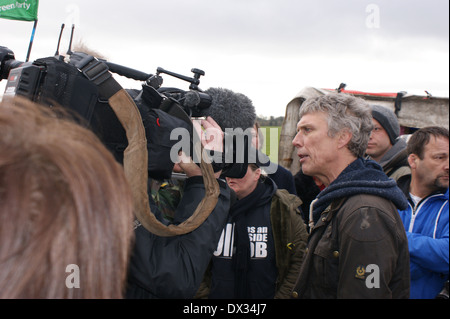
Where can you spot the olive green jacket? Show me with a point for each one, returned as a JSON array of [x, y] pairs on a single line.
[[290, 237]]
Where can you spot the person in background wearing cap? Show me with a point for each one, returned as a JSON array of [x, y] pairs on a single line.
[[385, 146], [262, 245]]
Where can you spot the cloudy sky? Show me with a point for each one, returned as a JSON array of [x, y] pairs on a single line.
[[266, 49]]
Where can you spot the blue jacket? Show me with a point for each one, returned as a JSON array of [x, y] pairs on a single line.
[[427, 231]]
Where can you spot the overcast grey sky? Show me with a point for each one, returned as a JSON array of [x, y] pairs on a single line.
[[266, 49]]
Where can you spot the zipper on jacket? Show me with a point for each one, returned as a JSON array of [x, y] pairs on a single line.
[[416, 210], [437, 219]]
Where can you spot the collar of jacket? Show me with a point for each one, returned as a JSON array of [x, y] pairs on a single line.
[[398, 148], [360, 177], [404, 183]]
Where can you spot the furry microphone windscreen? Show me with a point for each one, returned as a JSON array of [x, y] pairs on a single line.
[[230, 109]]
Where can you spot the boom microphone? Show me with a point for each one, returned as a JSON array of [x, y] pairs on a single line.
[[230, 109], [233, 111]]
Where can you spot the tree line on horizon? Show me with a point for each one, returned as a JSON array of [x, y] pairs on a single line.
[[270, 120]]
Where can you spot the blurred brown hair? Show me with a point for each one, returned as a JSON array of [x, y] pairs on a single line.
[[63, 200]]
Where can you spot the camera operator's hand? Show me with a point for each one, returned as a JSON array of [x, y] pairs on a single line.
[[188, 166], [212, 135]]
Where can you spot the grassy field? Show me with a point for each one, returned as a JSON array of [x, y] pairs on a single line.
[[271, 141]]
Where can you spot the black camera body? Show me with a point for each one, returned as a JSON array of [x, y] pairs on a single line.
[[24, 81], [51, 81], [56, 80]]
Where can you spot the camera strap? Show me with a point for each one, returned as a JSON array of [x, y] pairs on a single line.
[[97, 72], [135, 155]]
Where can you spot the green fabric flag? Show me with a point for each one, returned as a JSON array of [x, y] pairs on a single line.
[[25, 10]]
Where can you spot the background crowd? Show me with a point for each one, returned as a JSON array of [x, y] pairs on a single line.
[[366, 217]]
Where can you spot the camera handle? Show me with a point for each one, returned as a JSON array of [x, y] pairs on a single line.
[[195, 81], [127, 72], [156, 80]]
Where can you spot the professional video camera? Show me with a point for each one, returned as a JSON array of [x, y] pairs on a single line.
[[57, 81], [60, 80]]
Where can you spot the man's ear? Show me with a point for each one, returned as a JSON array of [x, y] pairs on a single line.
[[344, 138], [412, 158], [258, 173]]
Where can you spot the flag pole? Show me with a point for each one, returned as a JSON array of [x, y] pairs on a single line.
[[31, 40]]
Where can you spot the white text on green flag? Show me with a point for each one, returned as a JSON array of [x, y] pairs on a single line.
[[25, 10]]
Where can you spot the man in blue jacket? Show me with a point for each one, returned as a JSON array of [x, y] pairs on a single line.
[[426, 218]]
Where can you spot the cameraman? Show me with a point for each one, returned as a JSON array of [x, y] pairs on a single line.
[[173, 267]]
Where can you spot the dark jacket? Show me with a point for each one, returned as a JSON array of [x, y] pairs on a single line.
[[284, 180], [275, 251], [307, 190], [357, 247], [173, 267], [395, 161], [290, 236]]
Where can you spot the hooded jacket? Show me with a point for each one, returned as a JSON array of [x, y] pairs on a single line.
[[357, 246], [261, 248], [395, 161], [427, 230]]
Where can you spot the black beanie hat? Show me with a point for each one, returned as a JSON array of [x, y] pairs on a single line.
[[388, 120]]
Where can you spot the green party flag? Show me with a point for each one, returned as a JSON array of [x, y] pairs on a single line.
[[25, 10]]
